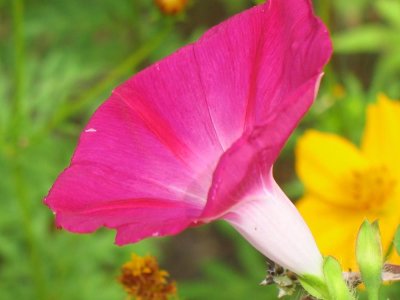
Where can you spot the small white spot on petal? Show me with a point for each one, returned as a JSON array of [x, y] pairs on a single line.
[[156, 233], [90, 130]]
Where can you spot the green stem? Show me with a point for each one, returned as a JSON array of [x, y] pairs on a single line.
[[34, 256], [373, 295], [19, 63], [325, 11], [71, 108], [15, 130]]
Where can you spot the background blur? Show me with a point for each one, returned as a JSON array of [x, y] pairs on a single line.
[[60, 59]]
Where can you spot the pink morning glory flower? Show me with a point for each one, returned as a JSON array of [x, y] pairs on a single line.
[[193, 138]]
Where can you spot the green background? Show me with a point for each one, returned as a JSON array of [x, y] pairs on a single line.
[[60, 59]]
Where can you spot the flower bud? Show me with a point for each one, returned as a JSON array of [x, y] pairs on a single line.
[[171, 7], [369, 257]]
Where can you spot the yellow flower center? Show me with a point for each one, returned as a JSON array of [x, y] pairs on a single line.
[[371, 188]]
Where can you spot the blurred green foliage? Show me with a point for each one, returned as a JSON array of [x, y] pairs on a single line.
[[60, 59]]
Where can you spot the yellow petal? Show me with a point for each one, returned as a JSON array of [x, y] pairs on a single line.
[[381, 140], [322, 161], [335, 229]]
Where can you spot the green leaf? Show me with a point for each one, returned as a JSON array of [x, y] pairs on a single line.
[[388, 66], [338, 290], [396, 241], [368, 38], [315, 286], [389, 10]]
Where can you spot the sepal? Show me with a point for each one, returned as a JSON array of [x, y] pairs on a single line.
[[337, 287]]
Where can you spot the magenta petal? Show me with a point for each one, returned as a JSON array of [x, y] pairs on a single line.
[[245, 167], [288, 56], [250, 64], [188, 138], [123, 176]]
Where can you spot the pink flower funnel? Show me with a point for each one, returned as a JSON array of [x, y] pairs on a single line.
[[193, 138]]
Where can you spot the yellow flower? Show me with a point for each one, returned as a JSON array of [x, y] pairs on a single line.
[[345, 185], [144, 280]]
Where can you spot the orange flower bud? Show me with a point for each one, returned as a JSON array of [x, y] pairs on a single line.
[[171, 7]]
